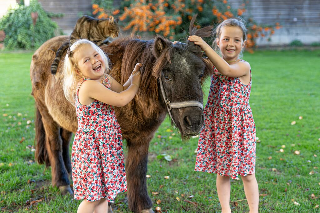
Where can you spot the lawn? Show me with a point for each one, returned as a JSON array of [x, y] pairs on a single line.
[[285, 101]]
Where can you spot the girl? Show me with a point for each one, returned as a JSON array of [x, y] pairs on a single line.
[[98, 171], [227, 143]]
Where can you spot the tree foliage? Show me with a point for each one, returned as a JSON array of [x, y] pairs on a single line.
[[171, 18], [20, 29]]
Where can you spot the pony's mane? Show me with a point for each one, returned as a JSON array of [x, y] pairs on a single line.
[[136, 51], [202, 32]]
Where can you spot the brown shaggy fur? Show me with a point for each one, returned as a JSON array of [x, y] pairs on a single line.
[[181, 69]]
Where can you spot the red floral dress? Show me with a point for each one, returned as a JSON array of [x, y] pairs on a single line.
[[227, 142], [97, 154]]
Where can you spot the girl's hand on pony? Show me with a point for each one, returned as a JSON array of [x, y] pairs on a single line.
[[199, 41], [136, 69], [136, 75]]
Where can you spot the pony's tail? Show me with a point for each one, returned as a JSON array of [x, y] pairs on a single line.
[[41, 153], [57, 59]]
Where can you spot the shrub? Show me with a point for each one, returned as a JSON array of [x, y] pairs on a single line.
[[296, 43], [21, 32], [315, 44], [171, 18]]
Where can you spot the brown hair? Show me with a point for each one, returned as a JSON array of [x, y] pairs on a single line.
[[232, 22]]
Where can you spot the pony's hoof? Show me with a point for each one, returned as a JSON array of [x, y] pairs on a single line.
[[147, 211], [110, 209], [66, 190]]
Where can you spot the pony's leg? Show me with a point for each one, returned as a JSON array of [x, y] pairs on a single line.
[[41, 155], [66, 137], [53, 145], [136, 170]]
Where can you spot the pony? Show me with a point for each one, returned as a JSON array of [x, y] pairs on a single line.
[[171, 83]]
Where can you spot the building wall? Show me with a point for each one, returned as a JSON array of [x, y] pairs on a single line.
[[72, 10], [300, 19]]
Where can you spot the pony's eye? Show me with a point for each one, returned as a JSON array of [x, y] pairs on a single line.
[[201, 75], [167, 78]]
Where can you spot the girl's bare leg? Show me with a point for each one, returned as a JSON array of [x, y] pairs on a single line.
[[223, 188], [99, 206], [87, 207], [252, 192], [102, 207]]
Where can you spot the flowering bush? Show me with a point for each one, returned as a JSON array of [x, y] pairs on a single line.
[[27, 27], [171, 18]]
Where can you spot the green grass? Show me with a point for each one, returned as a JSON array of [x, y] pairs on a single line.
[[285, 86]]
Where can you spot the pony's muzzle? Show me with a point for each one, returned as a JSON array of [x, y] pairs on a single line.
[[192, 120]]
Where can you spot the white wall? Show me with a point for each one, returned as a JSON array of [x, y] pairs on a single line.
[[300, 19]]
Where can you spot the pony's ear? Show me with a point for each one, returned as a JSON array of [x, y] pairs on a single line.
[[159, 45]]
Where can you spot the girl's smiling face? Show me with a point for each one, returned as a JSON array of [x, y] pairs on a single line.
[[230, 42], [89, 62]]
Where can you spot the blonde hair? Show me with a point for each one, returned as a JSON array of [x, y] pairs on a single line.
[[71, 76]]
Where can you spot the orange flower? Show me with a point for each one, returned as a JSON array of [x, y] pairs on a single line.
[[214, 11], [116, 12], [95, 11], [95, 6], [228, 14], [266, 29], [225, 1], [200, 9], [102, 15], [240, 11], [200, 1]]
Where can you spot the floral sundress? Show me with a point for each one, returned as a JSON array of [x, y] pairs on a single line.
[[97, 153], [227, 141]]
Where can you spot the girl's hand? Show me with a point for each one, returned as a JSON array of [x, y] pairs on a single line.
[[136, 75], [198, 41], [136, 68]]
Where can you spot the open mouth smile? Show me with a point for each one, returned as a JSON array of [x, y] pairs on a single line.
[[98, 68]]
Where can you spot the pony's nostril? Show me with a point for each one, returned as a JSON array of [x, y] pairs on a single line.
[[187, 121]]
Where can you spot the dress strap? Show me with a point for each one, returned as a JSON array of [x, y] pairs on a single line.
[[78, 87]]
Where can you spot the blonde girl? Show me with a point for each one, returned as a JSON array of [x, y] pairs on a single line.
[[98, 171]]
